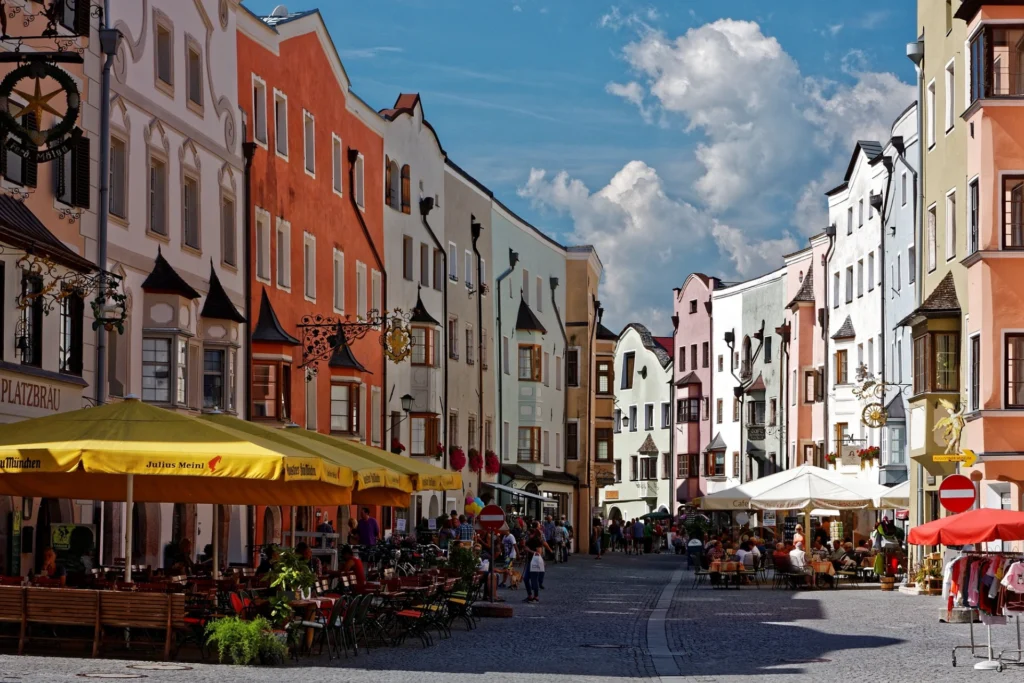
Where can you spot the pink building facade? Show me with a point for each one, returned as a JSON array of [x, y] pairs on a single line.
[[806, 314], [692, 382]]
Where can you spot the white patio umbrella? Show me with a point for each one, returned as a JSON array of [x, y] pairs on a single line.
[[897, 497], [805, 488]]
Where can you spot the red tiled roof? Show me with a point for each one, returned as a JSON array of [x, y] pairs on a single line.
[[665, 343]]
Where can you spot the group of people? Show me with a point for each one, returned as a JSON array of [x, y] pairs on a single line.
[[633, 537]]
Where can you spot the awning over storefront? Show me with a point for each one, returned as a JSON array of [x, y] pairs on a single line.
[[514, 491]]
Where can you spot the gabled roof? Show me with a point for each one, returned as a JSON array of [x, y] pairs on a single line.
[[419, 313], [757, 384], [268, 327], [406, 104], [526, 320], [690, 378], [648, 446], [942, 302], [19, 227], [895, 410], [163, 279], [648, 340], [806, 292], [604, 333], [274, 20], [218, 303], [846, 331], [871, 149], [717, 444], [343, 358]]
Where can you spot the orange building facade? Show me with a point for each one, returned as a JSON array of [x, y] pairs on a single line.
[[994, 332], [316, 242]]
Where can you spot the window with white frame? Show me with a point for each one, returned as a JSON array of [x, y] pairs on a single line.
[[871, 357], [375, 291], [284, 254], [194, 74], [359, 181], [974, 388], [505, 364], [558, 373], [911, 264], [339, 281], [424, 264], [468, 268], [930, 105], [345, 399], [158, 196], [309, 142], [336, 166], [118, 177], [526, 286], [540, 294], [470, 346], [281, 123], [361, 289], [259, 109], [835, 290], [950, 96], [438, 269], [860, 277], [849, 284], [860, 213], [214, 379], [229, 250], [932, 238], [453, 262], [156, 370], [903, 188], [849, 220], [262, 245], [407, 264], [309, 265], [951, 225], [871, 271], [666, 415], [164, 55]]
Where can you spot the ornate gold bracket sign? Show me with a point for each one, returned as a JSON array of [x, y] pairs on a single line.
[[322, 335]]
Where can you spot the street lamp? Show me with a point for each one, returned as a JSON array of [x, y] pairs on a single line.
[[625, 421], [406, 403]]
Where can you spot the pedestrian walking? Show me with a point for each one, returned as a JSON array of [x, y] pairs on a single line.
[[533, 572], [558, 539], [598, 532], [638, 537], [367, 528]]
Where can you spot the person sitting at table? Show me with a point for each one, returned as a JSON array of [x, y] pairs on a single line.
[[268, 559], [304, 551], [353, 532], [182, 562], [798, 560], [746, 556], [351, 564], [50, 568], [715, 553]]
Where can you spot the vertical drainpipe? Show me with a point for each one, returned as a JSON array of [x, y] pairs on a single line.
[[830, 232], [475, 230], [784, 398], [426, 206], [673, 503], [513, 259], [883, 219], [248, 150], [353, 157]]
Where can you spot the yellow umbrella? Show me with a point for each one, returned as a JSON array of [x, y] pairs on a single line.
[[135, 451], [427, 477], [375, 484]]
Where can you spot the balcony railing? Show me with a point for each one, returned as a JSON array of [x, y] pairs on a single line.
[[647, 488]]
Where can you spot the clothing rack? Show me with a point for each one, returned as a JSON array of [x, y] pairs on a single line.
[[991, 662]]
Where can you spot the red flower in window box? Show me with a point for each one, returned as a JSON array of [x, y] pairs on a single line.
[[439, 450], [831, 458], [397, 446], [476, 461], [457, 458], [491, 463]]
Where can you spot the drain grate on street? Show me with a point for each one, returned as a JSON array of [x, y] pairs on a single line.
[[158, 666]]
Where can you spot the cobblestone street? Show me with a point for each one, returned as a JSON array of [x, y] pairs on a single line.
[[594, 622]]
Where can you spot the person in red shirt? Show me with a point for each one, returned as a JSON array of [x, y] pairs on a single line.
[[353, 565]]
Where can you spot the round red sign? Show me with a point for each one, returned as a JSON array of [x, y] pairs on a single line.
[[956, 493], [491, 518]]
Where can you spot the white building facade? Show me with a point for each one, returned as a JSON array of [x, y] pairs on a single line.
[[854, 337], [643, 425]]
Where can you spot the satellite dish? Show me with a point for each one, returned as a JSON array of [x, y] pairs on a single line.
[[281, 11]]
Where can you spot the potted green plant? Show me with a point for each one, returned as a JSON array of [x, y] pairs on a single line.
[[290, 576], [246, 642], [463, 560]]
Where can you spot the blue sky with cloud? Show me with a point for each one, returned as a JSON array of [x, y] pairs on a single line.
[[673, 135]]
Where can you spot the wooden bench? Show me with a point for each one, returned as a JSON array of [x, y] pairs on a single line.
[[12, 604], [59, 607], [145, 611]]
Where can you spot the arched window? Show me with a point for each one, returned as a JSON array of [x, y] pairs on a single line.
[[387, 180], [406, 204]]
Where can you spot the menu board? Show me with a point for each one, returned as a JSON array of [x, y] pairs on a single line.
[[789, 528]]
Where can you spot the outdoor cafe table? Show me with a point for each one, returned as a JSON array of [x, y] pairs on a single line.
[[823, 567]]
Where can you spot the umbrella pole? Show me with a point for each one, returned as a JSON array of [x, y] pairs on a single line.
[[129, 503], [216, 538], [807, 527]]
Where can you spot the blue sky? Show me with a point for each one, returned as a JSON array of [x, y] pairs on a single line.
[[676, 136]]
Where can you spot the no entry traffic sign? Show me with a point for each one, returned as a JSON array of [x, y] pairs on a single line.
[[491, 518], [956, 493]]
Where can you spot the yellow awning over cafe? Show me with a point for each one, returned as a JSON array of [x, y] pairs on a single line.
[[175, 458], [426, 477]]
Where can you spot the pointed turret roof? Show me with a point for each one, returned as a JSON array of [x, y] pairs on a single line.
[[268, 327], [527, 321], [757, 384], [806, 292], [717, 444], [420, 314], [218, 303], [163, 279], [649, 447], [343, 358], [846, 331]]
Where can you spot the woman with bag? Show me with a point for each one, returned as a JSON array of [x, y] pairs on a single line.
[[533, 571]]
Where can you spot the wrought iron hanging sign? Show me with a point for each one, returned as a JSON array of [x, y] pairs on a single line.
[[43, 282], [27, 82], [322, 335]]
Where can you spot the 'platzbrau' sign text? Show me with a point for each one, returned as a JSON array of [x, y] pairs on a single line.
[[29, 394]]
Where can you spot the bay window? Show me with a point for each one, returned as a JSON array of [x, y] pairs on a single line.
[[716, 464], [937, 362], [156, 370], [345, 408], [997, 60], [529, 362], [214, 373], [604, 444], [529, 444], [1015, 371], [424, 340]]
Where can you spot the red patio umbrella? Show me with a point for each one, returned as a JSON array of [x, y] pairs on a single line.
[[976, 526]]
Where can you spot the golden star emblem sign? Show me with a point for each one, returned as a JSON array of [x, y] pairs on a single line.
[[37, 102]]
